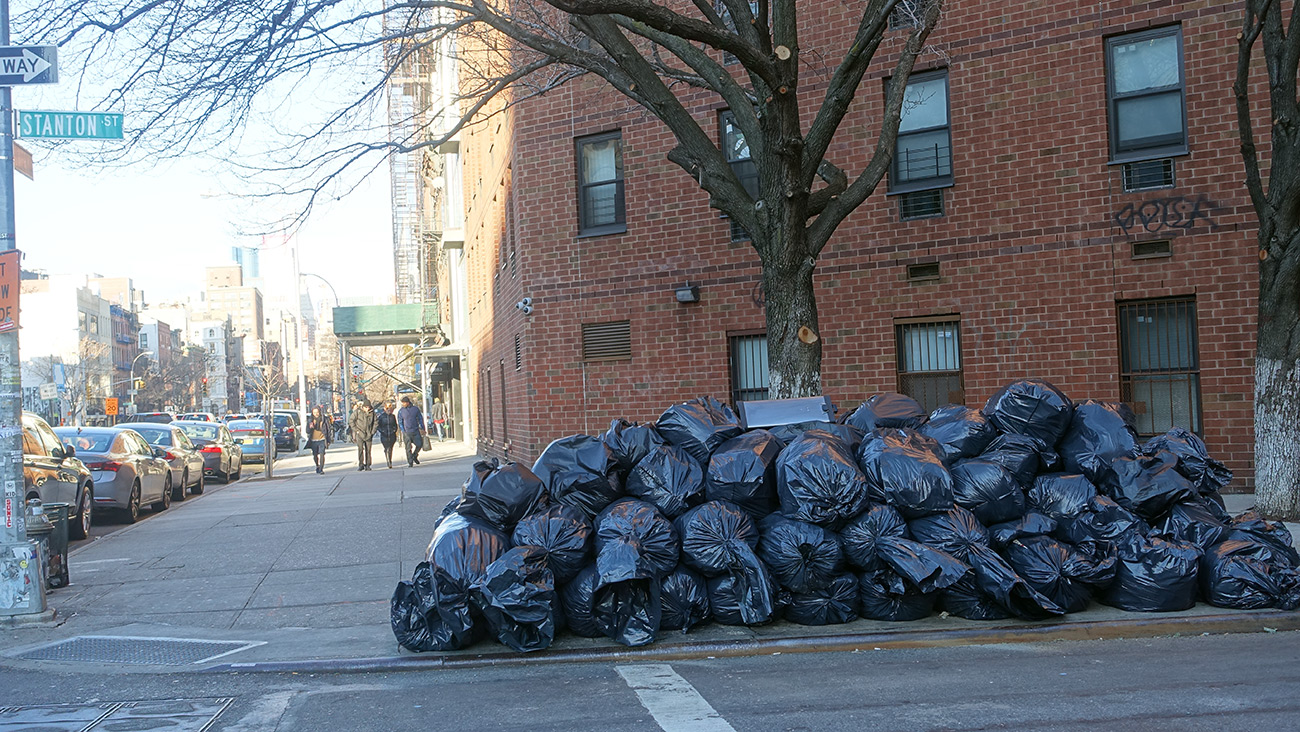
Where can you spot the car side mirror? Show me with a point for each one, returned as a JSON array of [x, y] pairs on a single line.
[[59, 453], [158, 452]]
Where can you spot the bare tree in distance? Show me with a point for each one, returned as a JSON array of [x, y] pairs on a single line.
[[195, 71], [1273, 180], [268, 379], [85, 378]]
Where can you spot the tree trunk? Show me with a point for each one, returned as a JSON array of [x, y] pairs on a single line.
[[1277, 384], [794, 347]]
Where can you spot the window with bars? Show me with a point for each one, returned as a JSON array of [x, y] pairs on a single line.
[[505, 411], [742, 163], [600, 185], [749, 368], [929, 361], [923, 150], [491, 414], [1159, 364], [1145, 90]]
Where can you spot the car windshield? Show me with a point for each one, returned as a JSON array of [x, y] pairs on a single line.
[[87, 441], [281, 420], [246, 425], [200, 431], [155, 436]]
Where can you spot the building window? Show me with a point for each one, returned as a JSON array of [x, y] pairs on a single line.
[[923, 152], [749, 369], [600, 185], [481, 421], [1144, 90], [505, 418], [1159, 364], [742, 164], [144, 340], [929, 361], [491, 417]]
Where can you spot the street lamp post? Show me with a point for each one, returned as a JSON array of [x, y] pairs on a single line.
[[132, 392]]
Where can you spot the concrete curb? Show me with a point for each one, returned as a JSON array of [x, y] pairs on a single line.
[[1142, 627]]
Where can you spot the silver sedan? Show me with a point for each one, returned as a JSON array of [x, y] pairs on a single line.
[[126, 470], [184, 457]]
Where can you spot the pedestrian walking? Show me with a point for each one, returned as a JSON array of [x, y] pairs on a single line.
[[386, 423], [363, 424], [438, 416], [410, 420], [318, 437]]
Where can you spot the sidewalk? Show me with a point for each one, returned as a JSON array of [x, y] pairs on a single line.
[[300, 568]]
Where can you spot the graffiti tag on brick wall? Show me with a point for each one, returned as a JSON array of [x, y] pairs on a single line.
[[1162, 214]]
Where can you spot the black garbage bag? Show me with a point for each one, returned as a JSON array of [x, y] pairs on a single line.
[[580, 471], [884, 595], [1154, 575], [902, 468], [447, 510], [1099, 433], [848, 434], [669, 478], [833, 604], [459, 554], [743, 471], [803, 557], [962, 432], [818, 481], [965, 600], [634, 541], [1208, 475], [578, 600], [1031, 524], [1193, 521], [1147, 485], [501, 494], [1247, 575], [887, 409], [629, 442], [1025, 457], [699, 426], [859, 538], [684, 598], [927, 568], [1066, 575], [1062, 496], [517, 598], [988, 490], [741, 600], [1250, 526], [1032, 407], [629, 612], [411, 610], [954, 532], [1103, 520], [563, 533], [996, 582], [719, 539]]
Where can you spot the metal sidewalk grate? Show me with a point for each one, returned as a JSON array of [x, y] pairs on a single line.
[[143, 651], [178, 715]]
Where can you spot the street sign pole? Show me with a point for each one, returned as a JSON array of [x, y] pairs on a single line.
[[22, 583]]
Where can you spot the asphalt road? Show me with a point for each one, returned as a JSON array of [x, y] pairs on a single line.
[[1239, 682]]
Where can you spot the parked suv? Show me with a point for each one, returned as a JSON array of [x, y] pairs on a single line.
[[52, 473], [288, 433]]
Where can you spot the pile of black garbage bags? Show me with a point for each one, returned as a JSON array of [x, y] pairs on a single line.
[[1030, 508]]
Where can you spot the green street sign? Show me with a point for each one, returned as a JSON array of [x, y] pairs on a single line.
[[70, 125]]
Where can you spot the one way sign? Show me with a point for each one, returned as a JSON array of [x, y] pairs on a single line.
[[28, 65]]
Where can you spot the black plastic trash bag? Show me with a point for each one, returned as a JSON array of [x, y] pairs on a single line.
[[684, 599], [1025, 457], [833, 604], [996, 581], [669, 478], [883, 595], [634, 541], [927, 568], [1248, 575], [580, 471], [629, 612], [954, 532], [578, 600], [902, 468], [718, 539], [1193, 521], [848, 434], [818, 481], [460, 552], [803, 557], [1032, 407], [1154, 575], [743, 471], [962, 432], [1103, 520], [1031, 524], [517, 598], [861, 536], [987, 490], [887, 409], [742, 600], [1208, 475], [1062, 496], [1066, 575], [1099, 433], [629, 442], [411, 609], [965, 600], [699, 426], [501, 494], [1250, 526], [1147, 485], [563, 533]]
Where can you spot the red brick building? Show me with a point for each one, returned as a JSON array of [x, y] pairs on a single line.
[[1067, 202]]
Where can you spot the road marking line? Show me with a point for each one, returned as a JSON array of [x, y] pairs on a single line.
[[675, 705]]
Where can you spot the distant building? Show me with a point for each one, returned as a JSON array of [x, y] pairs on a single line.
[[226, 275], [66, 339], [125, 348], [118, 291], [228, 296], [248, 259], [214, 337]]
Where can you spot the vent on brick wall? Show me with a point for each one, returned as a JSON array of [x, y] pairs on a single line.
[[1148, 174], [921, 204], [927, 272], [519, 353], [607, 341], [1152, 249]]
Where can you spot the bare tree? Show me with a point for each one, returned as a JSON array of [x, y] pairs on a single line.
[[175, 383], [1273, 180], [268, 379], [88, 377], [197, 66]]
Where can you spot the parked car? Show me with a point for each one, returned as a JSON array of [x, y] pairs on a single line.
[[222, 456], [53, 474], [126, 470], [288, 433], [251, 436], [182, 456], [157, 417], [198, 417]]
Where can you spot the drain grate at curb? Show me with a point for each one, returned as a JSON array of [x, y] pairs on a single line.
[[142, 651]]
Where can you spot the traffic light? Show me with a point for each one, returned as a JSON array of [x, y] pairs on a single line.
[[139, 384], [205, 386]]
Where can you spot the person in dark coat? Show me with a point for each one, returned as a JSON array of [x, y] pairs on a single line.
[[386, 423], [410, 420], [363, 426], [318, 437]]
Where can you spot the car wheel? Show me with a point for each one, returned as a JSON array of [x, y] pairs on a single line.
[[197, 489], [178, 491], [239, 471], [79, 527], [165, 502], [133, 505]]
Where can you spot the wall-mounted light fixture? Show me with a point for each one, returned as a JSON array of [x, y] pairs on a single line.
[[689, 293]]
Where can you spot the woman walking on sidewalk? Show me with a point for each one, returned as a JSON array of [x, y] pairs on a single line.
[[410, 420], [363, 424], [386, 423], [318, 437]]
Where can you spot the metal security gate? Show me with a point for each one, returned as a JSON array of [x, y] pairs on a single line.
[[749, 369], [1159, 364], [929, 361]]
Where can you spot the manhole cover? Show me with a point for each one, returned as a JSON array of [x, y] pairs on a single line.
[[144, 651], [177, 715]]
